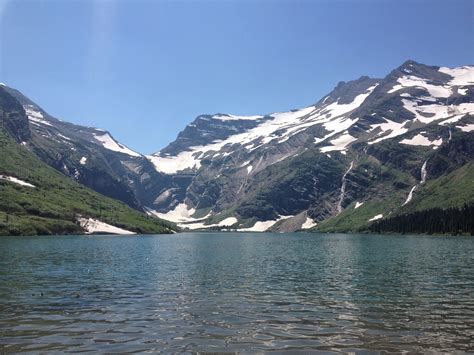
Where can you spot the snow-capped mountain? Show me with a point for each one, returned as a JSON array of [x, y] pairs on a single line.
[[37, 199], [292, 170], [369, 149], [90, 156]]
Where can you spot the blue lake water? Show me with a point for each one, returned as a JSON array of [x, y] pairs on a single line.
[[236, 292]]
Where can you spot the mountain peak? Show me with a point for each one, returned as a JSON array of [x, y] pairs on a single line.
[[410, 62], [13, 117], [346, 91], [283, 170], [410, 67]]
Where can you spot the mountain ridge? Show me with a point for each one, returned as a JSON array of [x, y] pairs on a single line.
[[36, 199], [386, 115], [281, 171]]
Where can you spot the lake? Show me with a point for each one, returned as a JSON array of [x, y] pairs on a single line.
[[236, 292]]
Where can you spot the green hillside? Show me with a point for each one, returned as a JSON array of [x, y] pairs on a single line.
[[53, 205], [453, 190]]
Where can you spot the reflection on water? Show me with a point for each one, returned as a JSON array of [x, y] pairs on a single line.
[[237, 292]]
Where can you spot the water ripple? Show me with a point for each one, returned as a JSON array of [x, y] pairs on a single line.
[[237, 292]]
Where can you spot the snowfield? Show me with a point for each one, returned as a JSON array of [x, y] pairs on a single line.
[[35, 116], [262, 226], [466, 128], [334, 128], [461, 75], [95, 226], [16, 181], [413, 81], [181, 213], [228, 221], [339, 144], [281, 127], [420, 139], [308, 223], [388, 129], [363, 111], [434, 112], [109, 143], [376, 217], [229, 117]]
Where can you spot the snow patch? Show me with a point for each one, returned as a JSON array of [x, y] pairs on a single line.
[[461, 75], [109, 143], [335, 109], [262, 226], [413, 81], [228, 221], [16, 181], [451, 120], [83, 161], [308, 223], [95, 226], [280, 127], [35, 116], [466, 128], [376, 217], [393, 129], [358, 204], [229, 117], [434, 112], [63, 137], [336, 126], [420, 139], [182, 161], [200, 225], [339, 144], [196, 225], [181, 213]]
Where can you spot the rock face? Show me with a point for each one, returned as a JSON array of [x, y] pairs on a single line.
[[365, 141], [90, 156], [36, 199], [13, 117], [352, 156]]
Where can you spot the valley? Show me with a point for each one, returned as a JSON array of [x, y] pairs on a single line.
[[369, 150]]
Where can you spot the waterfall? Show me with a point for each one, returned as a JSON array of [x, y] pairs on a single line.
[[423, 173], [343, 188], [410, 195]]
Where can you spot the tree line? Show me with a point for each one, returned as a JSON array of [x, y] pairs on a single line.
[[431, 221]]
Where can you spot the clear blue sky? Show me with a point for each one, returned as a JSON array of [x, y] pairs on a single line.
[[144, 69]]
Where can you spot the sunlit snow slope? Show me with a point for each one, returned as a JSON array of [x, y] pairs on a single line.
[[290, 170]]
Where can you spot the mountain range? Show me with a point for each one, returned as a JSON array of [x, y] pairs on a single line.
[[371, 150]]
